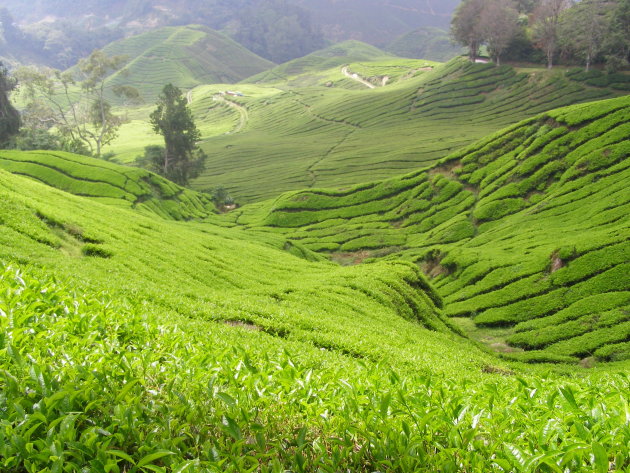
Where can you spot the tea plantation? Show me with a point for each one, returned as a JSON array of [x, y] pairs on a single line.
[[143, 332], [185, 56], [109, 183], [430, 272], [527, 229], [322, 129]]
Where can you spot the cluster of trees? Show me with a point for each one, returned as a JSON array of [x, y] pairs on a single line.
[[585, 32], [78, 110], [63, 113]]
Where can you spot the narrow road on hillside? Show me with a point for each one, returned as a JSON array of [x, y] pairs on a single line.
[[244, 116], [189, 97], [355, 77]]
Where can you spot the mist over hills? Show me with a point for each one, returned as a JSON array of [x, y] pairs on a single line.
[[60, 32]]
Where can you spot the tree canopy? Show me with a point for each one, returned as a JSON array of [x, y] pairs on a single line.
[[9, 116], [584, 32], [77, 105], [180, 159]]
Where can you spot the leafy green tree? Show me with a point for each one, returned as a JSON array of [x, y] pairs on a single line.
[[617, 40], [466, 27], [181, 159], [545, 26], [498, 25], [9, 116], [525, 6], [79, 110], [583, 29], [36, 138]]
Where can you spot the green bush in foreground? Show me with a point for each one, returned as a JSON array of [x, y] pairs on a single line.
[[94, 383]]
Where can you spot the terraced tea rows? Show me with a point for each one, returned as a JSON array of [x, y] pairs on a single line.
[[526, 229], [132, 342], [313, 67], [386, 72], [109, 183], [184, 56], [318, 136], [134, 387]]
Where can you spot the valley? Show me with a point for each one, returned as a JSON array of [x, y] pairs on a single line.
[[386, 264]]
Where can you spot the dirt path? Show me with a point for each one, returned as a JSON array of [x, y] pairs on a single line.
[[355, 77], [244, 116], [189, 97]]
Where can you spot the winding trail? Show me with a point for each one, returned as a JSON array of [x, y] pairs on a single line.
[[355, 77], [244, 115], [189, 97]]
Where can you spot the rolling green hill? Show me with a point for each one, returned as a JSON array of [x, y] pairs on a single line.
[[526, 232], [429, 42], [329, 136], [133, 342], [185, 56], [109, 183], [316, 63]]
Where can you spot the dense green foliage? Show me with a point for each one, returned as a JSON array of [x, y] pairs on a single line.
[[134, 341], [128, 390], [179, 159], [9, 116], [142, 331], [585, 32], [277, 364]]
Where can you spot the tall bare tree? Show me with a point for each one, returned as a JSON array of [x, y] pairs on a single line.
[[498, 25], [546, 18]]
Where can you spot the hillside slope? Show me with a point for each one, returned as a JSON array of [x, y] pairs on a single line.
[[93, 233], [430, 43], [185, 56], [527, 230], [109, 183], [129, 342], [329, 136], [319, 61]]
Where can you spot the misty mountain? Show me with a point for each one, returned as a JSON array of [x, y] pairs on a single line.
[[278, 30]]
